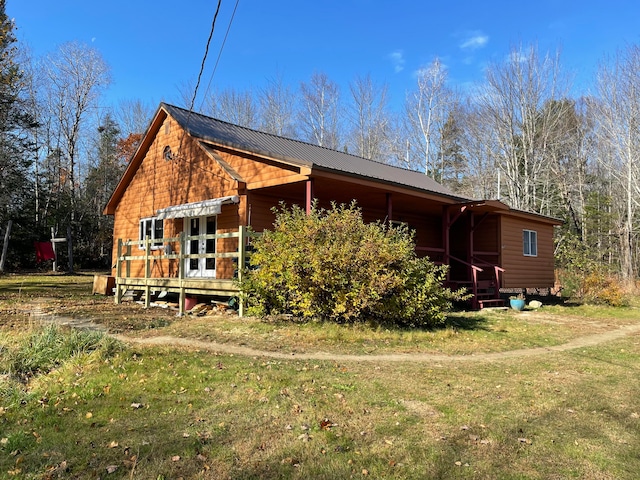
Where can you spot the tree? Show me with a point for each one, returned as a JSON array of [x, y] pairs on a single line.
[[102, 179], [239, 108], [15, 148], [426, 110], [319, 115], [617, 113], [370, 120], [277, 107], [512, 105], [77, 75]]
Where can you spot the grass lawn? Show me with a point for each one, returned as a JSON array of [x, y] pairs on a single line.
[[79, 405]]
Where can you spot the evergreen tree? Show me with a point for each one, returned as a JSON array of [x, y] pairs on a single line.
[[16, 195]]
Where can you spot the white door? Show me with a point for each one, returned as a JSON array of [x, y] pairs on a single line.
[[199, 227]]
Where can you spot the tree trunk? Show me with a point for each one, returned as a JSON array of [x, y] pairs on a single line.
[[5, 246]]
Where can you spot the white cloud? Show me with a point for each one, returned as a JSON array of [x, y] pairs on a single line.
[[474, 40], [397, 59]]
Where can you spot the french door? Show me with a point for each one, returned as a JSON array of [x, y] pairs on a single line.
[[199, 227]]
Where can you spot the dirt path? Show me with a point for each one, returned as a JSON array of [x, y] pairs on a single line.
[[580, 342]]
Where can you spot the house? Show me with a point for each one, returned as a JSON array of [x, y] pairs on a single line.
[[195, 183]]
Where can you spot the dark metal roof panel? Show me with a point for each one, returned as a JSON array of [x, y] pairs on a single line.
[[300, 153]]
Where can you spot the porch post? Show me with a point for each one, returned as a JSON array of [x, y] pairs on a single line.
[[389, 207], [472, 272], [445, 238], [309, 195]]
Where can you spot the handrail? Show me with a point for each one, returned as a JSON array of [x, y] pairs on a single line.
[[474, 267]]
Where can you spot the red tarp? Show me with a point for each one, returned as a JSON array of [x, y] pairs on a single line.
[[44, 251]]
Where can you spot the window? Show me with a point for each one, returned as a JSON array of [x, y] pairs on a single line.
[[530, 243], [152, 228]]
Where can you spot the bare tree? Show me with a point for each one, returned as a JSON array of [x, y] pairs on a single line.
[[277, 107], [370, 119], [233, 106], [133, 116], [512, 102], [77, 75], [319, 115], [426, 110], [617, 113]]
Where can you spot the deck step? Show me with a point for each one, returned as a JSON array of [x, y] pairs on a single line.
[[496, 302]]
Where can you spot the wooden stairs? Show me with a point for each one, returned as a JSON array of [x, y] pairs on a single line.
[[486, 295]]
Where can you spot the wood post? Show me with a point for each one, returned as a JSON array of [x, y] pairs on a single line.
[[147, 271], [181, 271], [242, 231], [70, 249], [5, 246], [118, 297]]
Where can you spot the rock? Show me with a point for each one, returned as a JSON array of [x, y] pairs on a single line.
[[535, 304]]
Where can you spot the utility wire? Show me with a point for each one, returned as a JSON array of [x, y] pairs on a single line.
[[224, 41], [204, 59], [195, 90]]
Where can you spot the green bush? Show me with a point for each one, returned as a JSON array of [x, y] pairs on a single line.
[[330, 265]]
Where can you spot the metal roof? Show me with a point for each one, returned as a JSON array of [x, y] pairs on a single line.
[[300, 153]]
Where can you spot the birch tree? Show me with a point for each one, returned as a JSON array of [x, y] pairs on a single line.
[[512, 102], [370, 121], [426, 110], [319, 115], [617, 113]]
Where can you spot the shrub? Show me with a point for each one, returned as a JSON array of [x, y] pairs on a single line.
[[330, 265]]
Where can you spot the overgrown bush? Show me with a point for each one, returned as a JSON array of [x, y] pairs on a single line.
[[584, 279], [330, 265]]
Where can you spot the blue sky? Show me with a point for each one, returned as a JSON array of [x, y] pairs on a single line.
[[156, 48]]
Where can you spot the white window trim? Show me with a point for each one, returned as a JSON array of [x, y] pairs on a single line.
[[141, 229], [526, 242]]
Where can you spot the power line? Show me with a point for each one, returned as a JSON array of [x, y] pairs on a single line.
[[204, 58], [224, 41]]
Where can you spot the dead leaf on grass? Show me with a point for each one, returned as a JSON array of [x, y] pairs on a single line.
[[113, 444], [112, 468]]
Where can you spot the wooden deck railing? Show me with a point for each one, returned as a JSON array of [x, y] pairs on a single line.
[[181, 283]]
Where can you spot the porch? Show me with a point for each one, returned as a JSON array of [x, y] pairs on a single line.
[[164, 267]]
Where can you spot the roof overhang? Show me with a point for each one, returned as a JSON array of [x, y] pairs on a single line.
[[205, 208]]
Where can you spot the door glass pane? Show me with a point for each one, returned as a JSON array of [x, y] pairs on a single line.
[[194, 229], [211, 243]]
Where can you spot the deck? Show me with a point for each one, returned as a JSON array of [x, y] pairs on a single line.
[[181, 284]]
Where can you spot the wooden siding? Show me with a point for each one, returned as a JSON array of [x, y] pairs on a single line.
[[159, 183], [522, 271]]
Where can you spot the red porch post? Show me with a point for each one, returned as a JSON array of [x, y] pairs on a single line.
[[389, 207], [309, 195], [446, 225]]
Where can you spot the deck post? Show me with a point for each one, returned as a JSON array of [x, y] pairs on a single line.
[[118, 296], [147, 271], [128, 260], [181, 269], [242, 230]]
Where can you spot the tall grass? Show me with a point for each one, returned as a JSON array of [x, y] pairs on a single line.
[[45, 348]]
